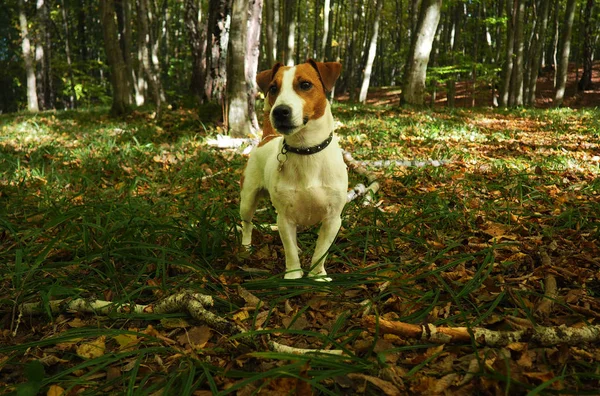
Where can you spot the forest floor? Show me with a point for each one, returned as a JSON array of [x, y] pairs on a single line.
[[481, 95], [503, 236]]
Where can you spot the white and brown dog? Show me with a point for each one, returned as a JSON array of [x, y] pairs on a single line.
[[302, 171]]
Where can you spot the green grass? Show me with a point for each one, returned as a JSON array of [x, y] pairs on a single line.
[[132, 210]]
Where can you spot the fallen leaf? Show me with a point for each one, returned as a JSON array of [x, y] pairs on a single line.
[[93, 349], [55, 390], [387, 387]]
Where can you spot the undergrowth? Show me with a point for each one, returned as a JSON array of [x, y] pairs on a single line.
[[133, 210]]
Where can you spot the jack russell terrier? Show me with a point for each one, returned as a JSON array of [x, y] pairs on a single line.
[[303, 171]]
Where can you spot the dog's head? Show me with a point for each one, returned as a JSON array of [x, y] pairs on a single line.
[[296, 95]]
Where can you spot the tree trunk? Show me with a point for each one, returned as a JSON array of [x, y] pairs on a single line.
[[537, 50], [252, 56], [114, 56], [217, 40], [32, 99], [326, 12], [565, 51], [351, 53], [45, 26], [123, 11], [510, 41], [73, 93], [145, 44], [362, 98], [515, 97], [270, 32], [413, 91], [237, 101], [588, 48], [196, 29], [328, 56], [290, 30]]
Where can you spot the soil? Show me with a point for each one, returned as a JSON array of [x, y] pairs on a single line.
[[481, 95]]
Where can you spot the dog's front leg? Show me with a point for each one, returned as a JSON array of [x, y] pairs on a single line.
[[327, 233], [287, 232]]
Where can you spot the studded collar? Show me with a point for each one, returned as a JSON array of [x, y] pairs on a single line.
[[307, 150]]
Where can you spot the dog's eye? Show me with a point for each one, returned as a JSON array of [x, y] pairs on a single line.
[[273, 89], [305, 85]]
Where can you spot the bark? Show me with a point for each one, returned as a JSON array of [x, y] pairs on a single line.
[[73, 94], [565, 51], [585, 83], [237, 100], [537, 51], [148, 62], [196, 30], [328, 56], [217, 39], [252, 58], [290, 30], [351, 56], [508, 66], [271, 36], [515, 98], [32, 99], [362, 98], [44, 56], [123, 11], [326, 12], [413, 91], [114, 56], [542, 336]]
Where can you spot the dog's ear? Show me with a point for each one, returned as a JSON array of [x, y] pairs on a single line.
[[264, 78], [328, 71]]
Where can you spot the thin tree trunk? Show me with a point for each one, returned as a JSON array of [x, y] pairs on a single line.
[[270, 27], [588, 47], [290, 25], [252, 56], [510, 41], [237, 100], [565, 51], [73, 93], [326, 12], [145, 43], [32, 99], [516, 82], [413, 91], [196, 29], [362, 98], [44, 54], [114, 56], [538, 51], [217, 40], [351, 53]]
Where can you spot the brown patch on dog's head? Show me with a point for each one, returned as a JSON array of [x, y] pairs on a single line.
[[328, 72], [264, 78]]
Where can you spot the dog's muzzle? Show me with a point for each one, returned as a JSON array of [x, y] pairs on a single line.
[[282, 119]]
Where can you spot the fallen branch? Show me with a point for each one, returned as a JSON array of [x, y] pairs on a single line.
[[544, 308], [543, 336], [277, 347], [360, 190], [194, 304]]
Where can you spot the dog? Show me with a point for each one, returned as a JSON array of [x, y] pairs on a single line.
[[301, 169]]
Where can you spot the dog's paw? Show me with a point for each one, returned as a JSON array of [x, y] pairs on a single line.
[[320, 277], [293, 274]]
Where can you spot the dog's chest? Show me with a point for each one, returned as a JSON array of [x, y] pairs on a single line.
[[309, 191]]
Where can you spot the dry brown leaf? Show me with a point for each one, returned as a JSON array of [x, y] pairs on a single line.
[[55, 390], [197, 337], [444, 383], [93, 349], [387, 387]]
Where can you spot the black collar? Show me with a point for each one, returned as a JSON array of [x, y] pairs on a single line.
[[307, 150]]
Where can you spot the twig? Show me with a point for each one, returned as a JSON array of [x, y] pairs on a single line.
[[360, 190], [550, 293], [544, 336], [277, 347]]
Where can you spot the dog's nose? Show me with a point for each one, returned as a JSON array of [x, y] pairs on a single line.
[[282, 113]]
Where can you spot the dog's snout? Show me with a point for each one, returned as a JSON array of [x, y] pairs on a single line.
[[282, 112]]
